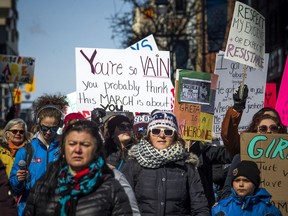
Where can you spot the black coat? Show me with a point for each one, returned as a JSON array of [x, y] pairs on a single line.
[[7, 202], [108, 199], [209, 155], [170, 190]]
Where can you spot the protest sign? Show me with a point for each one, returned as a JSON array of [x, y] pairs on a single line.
[[203, 132], [230, 78], [246, 40], [123, 80], [282, 101], [194, 123], [270, 95], [270, 152], [148, 43], [16, 69]]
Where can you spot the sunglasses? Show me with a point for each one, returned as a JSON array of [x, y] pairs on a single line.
[[264, 128], [124, 127], [16, 131], [157, 131], [45, 129]]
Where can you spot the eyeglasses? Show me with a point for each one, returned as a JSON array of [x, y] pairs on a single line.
[[264, 128], [16, 131], [157, 131], [124, 127], [45, 129]]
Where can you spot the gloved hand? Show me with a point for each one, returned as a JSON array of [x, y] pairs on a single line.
[[239, 97]]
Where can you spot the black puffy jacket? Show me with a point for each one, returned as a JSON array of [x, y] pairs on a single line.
[[170, 190], [108, 199]]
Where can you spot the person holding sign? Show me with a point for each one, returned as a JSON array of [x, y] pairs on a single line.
[[261, 124], [246, 198], [163, 175], [229, 131]]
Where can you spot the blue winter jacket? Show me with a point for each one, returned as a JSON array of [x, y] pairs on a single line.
[[40, 158], [258, 204]]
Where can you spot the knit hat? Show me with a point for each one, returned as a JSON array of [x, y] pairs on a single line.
[[163, 118], [140, 123], [248, 169]]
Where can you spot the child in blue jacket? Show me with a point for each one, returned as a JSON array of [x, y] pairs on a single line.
[[246, 198]]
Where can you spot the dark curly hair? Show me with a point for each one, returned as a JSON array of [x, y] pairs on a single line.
[[258, 117], [49, 106]]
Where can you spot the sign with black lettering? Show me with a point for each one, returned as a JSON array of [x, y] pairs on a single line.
[[230, 78], [246, 40], [123, 80], [270, 152], [193, 100]]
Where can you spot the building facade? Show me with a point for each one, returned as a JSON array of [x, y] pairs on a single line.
[[8, 46]]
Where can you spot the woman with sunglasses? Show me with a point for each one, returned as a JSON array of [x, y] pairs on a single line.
[[44, 147], [229, 131], [164, 177], [118, 137], [15, 136]]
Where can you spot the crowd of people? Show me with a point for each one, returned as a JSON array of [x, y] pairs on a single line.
[[70, 165]]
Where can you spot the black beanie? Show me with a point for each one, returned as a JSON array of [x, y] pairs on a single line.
[[248, 169]]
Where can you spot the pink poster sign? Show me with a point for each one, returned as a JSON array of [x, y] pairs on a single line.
[[282, 101], [270, 95]]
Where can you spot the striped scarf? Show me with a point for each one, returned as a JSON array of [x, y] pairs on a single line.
[[150, 157], [70, 187]]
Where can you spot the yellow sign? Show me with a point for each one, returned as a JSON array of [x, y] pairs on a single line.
[[17, 96], [30, 87], [203, 132]]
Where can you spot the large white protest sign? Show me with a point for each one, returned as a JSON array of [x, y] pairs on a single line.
[[123, 80], [148, 43], [230, 78], [246, 41]]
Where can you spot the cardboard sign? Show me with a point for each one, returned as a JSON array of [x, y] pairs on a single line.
[[270, 152], [230, 78], [270, 95], [201, 133], [123, 80], [282, 101], [246, 41], [16, 69], [193, 122]]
